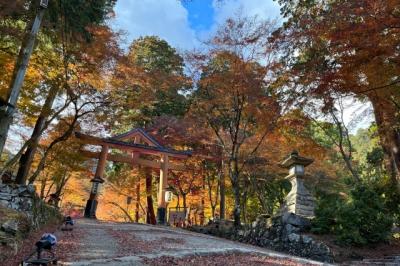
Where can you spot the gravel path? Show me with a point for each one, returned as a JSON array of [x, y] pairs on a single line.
[[106, 243]]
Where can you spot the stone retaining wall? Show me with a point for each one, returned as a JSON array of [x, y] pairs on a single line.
[[286, 233], [21, 211], [17, 197], [23, 199]]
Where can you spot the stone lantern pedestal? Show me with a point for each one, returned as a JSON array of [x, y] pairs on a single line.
[[299, 201]]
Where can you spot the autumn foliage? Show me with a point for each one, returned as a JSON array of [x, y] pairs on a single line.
[[257, 91]]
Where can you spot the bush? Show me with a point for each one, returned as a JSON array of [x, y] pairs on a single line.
[[325, 213], [360, 219], [364, 218]]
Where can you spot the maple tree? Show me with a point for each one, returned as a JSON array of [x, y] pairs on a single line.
[[234, 98], [71, 74], [348, 47], [72, 19], [253, 95]]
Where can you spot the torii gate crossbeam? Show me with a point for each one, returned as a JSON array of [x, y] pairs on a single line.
[[136, 148]]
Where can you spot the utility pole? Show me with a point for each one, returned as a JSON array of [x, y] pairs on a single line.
[[7, 108]]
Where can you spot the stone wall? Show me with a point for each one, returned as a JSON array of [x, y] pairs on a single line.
[[286, 233], [24, 199], [21, 211], [17, 197]]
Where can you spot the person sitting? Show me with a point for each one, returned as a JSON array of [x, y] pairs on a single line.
[[47, 242], [68, 224]]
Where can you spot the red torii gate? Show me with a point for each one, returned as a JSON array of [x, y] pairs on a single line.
[[140, 144]]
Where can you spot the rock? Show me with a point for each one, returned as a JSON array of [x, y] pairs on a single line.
[[13, 205], [307, 240], [5, 196], [10, 226], [5, 188], [291, 229], [24, 192], [241, 233], [294, 237], [298, 221], [4, 202]]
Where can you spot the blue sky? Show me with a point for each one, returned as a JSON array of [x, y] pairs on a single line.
[[184, 24], [200, 14]]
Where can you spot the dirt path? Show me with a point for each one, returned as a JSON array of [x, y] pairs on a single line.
[[107, 243]]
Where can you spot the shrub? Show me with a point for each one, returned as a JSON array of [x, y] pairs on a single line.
[[325, 213], [364, 218], [361, 219]]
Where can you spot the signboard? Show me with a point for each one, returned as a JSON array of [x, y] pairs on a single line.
[[176, 216]]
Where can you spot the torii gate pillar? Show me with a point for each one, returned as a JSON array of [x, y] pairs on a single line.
[[162, 206], [91, 205]]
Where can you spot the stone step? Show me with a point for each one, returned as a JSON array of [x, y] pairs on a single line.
[[379, 261], [362, 263], [393, 260]]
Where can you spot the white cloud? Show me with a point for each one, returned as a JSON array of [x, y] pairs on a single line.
[[264, 9], [167, 19], [224, 9]]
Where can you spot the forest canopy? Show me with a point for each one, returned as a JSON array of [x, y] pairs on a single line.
[[255, 92]]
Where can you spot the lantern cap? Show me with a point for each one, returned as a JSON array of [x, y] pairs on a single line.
[[97, 179], [295, 159]]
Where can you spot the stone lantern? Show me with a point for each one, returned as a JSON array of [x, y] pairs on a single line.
[[299, 201], [91, 205]]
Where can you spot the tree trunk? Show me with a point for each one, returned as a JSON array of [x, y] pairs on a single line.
[[42, 188], [222, 191], [184, 202], [210, 186], [25, 162], [234, 173], [387, 122], [7, 111], [150, 217], [244, 203], [178, 201]]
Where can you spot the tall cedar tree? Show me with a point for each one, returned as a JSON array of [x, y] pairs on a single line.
[[149, 83]]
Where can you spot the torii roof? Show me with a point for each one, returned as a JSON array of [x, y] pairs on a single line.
[[135, 133], [151, 147]]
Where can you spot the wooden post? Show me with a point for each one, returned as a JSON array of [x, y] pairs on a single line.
[[91, 205], [135, 157], [137, 208], [150, 216], [101, 165], [161, 210]]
